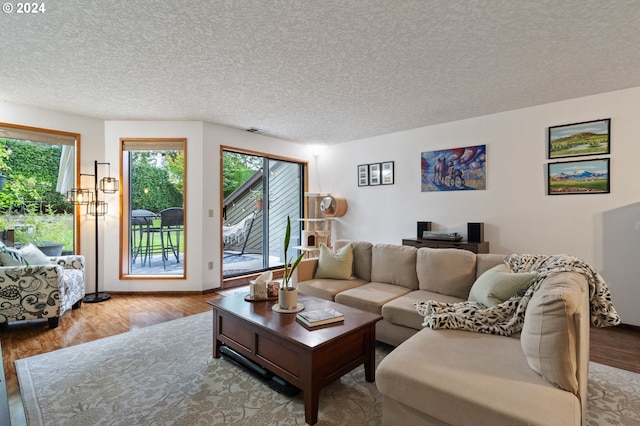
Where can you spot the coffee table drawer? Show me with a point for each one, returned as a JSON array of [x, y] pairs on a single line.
[[236, 331], [279, 354]]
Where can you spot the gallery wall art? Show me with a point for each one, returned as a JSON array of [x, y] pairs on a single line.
[[578, 139], [579, 177], [376, 174], [457, 169]]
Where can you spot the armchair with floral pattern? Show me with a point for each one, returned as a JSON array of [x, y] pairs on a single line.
[[42, 291]]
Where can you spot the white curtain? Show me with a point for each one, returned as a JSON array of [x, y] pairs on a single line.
[[66, 172]]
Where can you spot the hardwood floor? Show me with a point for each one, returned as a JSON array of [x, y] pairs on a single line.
[[615, 346]]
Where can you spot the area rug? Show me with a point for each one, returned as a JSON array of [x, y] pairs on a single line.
[[165, 375]]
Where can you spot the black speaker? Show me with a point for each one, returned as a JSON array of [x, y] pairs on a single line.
[[475, 232], [423, 226]]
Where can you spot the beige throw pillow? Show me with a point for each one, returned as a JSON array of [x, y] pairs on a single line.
[[548, 336], [499, 284], [338, 265]]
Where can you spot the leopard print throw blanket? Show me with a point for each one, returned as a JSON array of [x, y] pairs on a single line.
[[507, 318]]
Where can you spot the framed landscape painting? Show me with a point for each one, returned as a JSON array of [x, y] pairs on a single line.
[[579, 177], [578, 139], [457, 169]]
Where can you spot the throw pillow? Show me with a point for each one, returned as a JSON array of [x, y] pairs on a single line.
[[549, 336], [338, 265], [34, 255], [12, 257], [498, 285]]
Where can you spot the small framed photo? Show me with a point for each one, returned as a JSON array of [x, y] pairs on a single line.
[[579, 177], [387, 173], [579, 139], [374, 174], [363, 175]]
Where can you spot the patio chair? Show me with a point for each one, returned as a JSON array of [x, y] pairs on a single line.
[[171, 222]]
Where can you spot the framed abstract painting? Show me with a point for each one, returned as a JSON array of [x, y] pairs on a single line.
[[457, 169]]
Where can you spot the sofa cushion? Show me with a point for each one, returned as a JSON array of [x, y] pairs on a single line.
[[446, 271], [337, 265], [499, 284], [486, 261], [394, 264], [361, 257], [456, 375], [548, 335], [370, 297], [11, 257], [34, 255], [327, 288], [401, 311]]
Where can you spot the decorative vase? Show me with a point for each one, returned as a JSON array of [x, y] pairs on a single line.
[[288, 299]]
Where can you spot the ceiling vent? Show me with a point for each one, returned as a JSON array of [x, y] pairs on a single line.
[[256, 130]]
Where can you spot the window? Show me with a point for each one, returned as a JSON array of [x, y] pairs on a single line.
[[259, 192], [154, 208], [37, 168]]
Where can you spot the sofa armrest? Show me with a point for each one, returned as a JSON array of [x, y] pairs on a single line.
[[306, 269], [44, 286], [73, 261]]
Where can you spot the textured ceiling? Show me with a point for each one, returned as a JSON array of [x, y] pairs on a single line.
[[315, 71]]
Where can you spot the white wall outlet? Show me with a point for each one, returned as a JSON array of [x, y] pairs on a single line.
[[211, 265]]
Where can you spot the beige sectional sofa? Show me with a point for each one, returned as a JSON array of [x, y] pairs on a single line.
[[459, 377]]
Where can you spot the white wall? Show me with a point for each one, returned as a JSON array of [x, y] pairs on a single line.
[[203, 240], [603, 229], [101, 141]]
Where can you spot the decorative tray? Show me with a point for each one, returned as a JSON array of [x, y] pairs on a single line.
[[250, 298]]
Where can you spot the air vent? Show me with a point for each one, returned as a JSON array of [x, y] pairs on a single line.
[[256, 130]]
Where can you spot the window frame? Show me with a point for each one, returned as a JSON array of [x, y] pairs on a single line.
[[125, 218]]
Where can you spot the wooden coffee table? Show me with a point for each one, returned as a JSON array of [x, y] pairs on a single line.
[[308, 359]]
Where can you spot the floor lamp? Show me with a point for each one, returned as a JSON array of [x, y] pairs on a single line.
[[95, 208]]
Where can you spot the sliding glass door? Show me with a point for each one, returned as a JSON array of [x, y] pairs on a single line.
[[259, 192]]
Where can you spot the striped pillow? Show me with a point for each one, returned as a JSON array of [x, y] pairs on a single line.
[[11, 257]]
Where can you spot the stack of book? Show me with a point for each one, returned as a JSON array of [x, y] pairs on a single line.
[[318, 317]]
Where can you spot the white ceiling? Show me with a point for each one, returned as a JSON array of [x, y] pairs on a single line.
[[315, 71]]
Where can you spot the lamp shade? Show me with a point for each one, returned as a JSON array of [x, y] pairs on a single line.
[[97, 208], [109, 185], [79, 196]]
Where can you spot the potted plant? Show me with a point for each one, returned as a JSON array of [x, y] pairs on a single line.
[[257, 195], [288, 294]]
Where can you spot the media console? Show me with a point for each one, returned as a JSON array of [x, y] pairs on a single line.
[[482, 247]]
